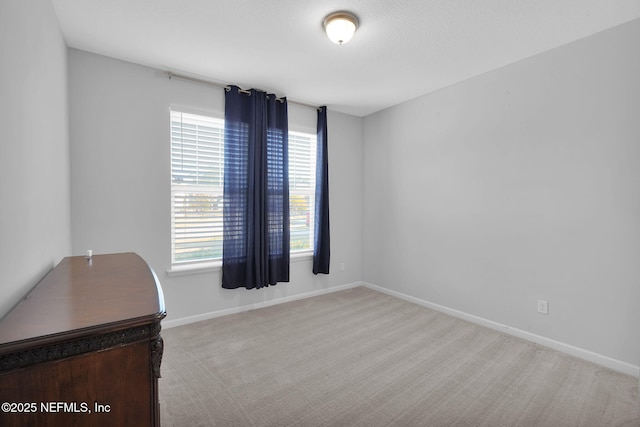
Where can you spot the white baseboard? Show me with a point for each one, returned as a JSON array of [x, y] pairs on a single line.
[[218, 313], [608, 362]]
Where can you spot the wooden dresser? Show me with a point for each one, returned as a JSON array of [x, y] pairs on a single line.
[[83, 348]]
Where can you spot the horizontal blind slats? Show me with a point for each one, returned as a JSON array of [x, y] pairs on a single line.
[[302, 165], [197, 169]]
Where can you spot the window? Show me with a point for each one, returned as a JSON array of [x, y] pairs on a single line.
[[302, 189], [197, 179], [197, 172]]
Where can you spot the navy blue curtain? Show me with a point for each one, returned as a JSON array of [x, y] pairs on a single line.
[[256, 190], [321, 230]]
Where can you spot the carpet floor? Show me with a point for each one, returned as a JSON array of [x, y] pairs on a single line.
[[362, 358]]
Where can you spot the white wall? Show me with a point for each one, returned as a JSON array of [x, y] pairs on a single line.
[[120, 180], [34, 147], [519, 184]]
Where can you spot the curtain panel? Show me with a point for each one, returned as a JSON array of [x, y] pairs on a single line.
[[256, 190], [321, 252]]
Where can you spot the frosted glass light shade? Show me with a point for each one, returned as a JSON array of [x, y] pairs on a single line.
[[340, 27]]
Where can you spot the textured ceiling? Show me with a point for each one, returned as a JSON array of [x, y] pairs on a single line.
[[403, 48]]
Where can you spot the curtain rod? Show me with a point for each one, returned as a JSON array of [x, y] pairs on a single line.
[[172, 75]]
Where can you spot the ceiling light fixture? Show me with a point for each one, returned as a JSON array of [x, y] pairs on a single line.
[[340, 26]]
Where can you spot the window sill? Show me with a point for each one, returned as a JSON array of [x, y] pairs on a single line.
[[194, 268], [211, 266], [301, 256]]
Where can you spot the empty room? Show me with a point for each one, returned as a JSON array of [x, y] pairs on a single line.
[[320, 213]]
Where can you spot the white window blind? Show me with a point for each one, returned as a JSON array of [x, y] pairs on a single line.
[[197, 173], [197, 179], [302, 189]]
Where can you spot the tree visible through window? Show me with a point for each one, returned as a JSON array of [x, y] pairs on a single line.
[[197, 178]]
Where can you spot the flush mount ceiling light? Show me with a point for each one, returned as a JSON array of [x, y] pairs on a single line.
[[340, 26]]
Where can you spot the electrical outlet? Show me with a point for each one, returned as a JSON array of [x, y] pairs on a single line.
[[342, 266], [543, 306]]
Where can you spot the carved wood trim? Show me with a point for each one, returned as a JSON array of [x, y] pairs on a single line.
[[157, 348], [56, 351]]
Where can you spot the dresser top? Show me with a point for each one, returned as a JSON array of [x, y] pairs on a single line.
[[80, 296]]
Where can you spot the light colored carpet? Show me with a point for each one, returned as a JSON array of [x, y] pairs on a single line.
[[362, 358]]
